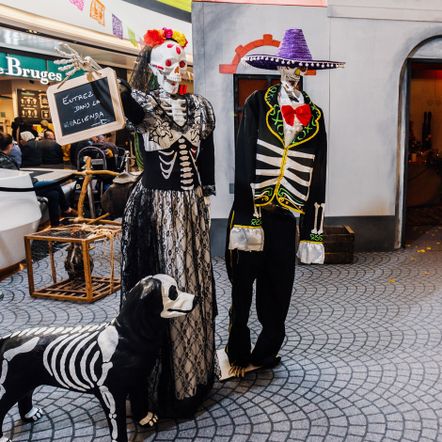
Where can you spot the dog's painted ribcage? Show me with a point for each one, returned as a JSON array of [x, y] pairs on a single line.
[[74, 360]]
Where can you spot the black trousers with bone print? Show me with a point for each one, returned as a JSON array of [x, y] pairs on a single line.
[[273, 269]]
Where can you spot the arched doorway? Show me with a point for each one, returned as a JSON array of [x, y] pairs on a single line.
[[419, 202]]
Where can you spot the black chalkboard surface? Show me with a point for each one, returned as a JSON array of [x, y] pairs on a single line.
[[86, 106]]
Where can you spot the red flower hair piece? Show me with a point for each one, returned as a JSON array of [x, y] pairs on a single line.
[[154, 37]]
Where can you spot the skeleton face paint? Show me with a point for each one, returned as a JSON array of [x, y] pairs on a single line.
[[290, 78], [168, 63]]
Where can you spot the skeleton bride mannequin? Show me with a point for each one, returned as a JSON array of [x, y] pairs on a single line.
[[280, 168], [166, 220]]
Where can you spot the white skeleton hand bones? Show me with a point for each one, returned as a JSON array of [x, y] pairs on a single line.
[[73, 61]]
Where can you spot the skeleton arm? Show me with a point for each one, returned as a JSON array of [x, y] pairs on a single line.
[[72, 61], [311, 248]]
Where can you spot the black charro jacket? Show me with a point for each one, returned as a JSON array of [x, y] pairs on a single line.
[[269, 172]]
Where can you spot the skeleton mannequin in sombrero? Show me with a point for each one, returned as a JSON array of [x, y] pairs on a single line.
[[280, 169], [166, 220]]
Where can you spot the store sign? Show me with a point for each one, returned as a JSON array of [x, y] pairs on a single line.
[[33, 68]]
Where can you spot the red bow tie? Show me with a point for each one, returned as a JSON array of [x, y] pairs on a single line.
[[303, 113]]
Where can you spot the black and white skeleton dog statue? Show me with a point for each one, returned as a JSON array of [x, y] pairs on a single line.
[[108, 360]]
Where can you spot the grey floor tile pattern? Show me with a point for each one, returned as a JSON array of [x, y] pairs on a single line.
[[362, 359]]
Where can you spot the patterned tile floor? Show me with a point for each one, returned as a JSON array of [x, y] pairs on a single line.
[[362, 360]]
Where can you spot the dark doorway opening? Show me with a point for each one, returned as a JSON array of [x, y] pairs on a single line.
[[244, 85], [423, 202]]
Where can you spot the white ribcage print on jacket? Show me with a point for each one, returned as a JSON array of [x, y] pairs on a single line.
[[294, 175], [186, 162]]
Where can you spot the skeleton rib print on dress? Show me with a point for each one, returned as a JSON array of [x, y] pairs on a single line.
[[166, 223], [174, 147], [186, 164]]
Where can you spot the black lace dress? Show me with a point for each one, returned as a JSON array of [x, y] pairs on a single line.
[[166, 230]]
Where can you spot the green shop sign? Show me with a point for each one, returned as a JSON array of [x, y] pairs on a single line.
[[29, 67]]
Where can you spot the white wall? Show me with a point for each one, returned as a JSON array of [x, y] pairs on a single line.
[[408, 10], [218, 29], [361, 102], [365, 112]]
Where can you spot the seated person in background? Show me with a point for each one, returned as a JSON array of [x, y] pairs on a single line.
[[16, 153], [76, 147], [104, 142], [96, 141], [109, 139], [16, 127], [6, 159], [19, 125], [100, 142], [45, 125], [51, 151], [123, 138], [31, 154], [57, 203], [48, 134]]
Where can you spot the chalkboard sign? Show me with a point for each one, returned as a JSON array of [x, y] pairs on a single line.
[[86, 106]]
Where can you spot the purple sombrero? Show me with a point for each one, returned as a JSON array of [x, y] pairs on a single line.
[[292, 52]]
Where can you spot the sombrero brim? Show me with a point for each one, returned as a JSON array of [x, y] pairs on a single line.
[[272, 62]]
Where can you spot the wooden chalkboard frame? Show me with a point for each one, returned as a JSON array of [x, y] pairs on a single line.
[[89, 77]]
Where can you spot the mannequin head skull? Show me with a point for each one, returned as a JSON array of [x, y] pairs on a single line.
[[168, 64], [290, 78]]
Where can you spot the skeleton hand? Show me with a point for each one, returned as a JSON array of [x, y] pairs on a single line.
[[73, 61], [149, 420]]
